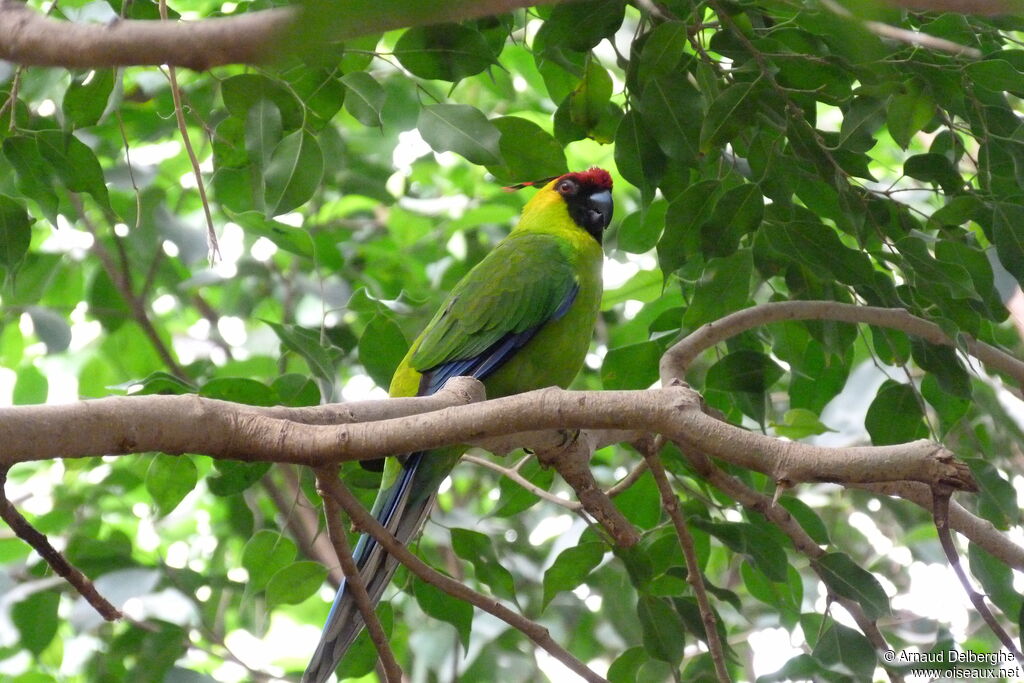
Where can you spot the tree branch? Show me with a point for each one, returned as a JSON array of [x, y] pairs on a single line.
[[670, 503], [531, 629], [354, 580], [31, 39], [192, 424], [678, 358], [58, 563]]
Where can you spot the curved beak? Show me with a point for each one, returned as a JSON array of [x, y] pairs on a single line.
[[600, 208]]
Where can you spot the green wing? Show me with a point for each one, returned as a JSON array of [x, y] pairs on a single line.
[[524, 282]]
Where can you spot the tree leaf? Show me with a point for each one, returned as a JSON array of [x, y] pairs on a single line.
[[462, 129], [265, 554], [444, 607], [571, 568], [662, 628], [365, 98], [169, 479], [477, 549], [293, 173], [846, 579], [294, 583]]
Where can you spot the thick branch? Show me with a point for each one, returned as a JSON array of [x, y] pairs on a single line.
[[572, 461], [29, 38], [192, 424]]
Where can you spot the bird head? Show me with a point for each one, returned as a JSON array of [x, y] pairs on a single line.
[[588, 195]]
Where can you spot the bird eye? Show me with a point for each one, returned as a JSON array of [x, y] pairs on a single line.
[[567, 187]]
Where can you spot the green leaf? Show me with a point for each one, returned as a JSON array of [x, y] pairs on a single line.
[[365, 98], [640, 230], [626, 667], [296, 390], [580, 26], [241, 92], [51, 328], [169, 479], [807, 517], [744, 370], [934, 168], [362, 657], [31, 387], [293, 173], [686, 213], [513, 498], [106, 303], [15, 234], [847, 579], [311, 347], [447, 52], [35, 176], [895, 415], [631, 367], [646, 286], [640, 503], [799, 423], [74, 163], [1008, 236], [817, 247], [670, 107], [589, 100], [724, 287], [438, 604], [528, 152], [462, 129], [381, 348], [571, 568], [477, 549], [662, 50], [842, 645], [764, 551], [262, 131], [239, 390], [662, 629], [906, 115], [737, 213], [728, 114], [84, 103], [294, 583], [36, 620], [640, 161], [234, 477], [265, 554]]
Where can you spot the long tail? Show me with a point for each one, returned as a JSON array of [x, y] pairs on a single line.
[[401, 509]]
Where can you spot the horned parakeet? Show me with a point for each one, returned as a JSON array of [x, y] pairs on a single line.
[[520, 320]]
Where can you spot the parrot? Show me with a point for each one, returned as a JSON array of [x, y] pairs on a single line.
[[521, 319]]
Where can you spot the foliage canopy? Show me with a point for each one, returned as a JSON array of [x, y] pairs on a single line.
[[763, 150]]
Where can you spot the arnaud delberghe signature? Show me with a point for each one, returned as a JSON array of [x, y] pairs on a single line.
[[954, 657]]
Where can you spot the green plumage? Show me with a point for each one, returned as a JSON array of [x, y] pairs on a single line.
[[520, 320]]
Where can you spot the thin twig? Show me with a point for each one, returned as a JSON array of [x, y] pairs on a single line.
[[301, 520], [531, 629], [122, 280], [58, 563], [941, 517], [354, 580], [522, 481], [670, 503], [179, 114]]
